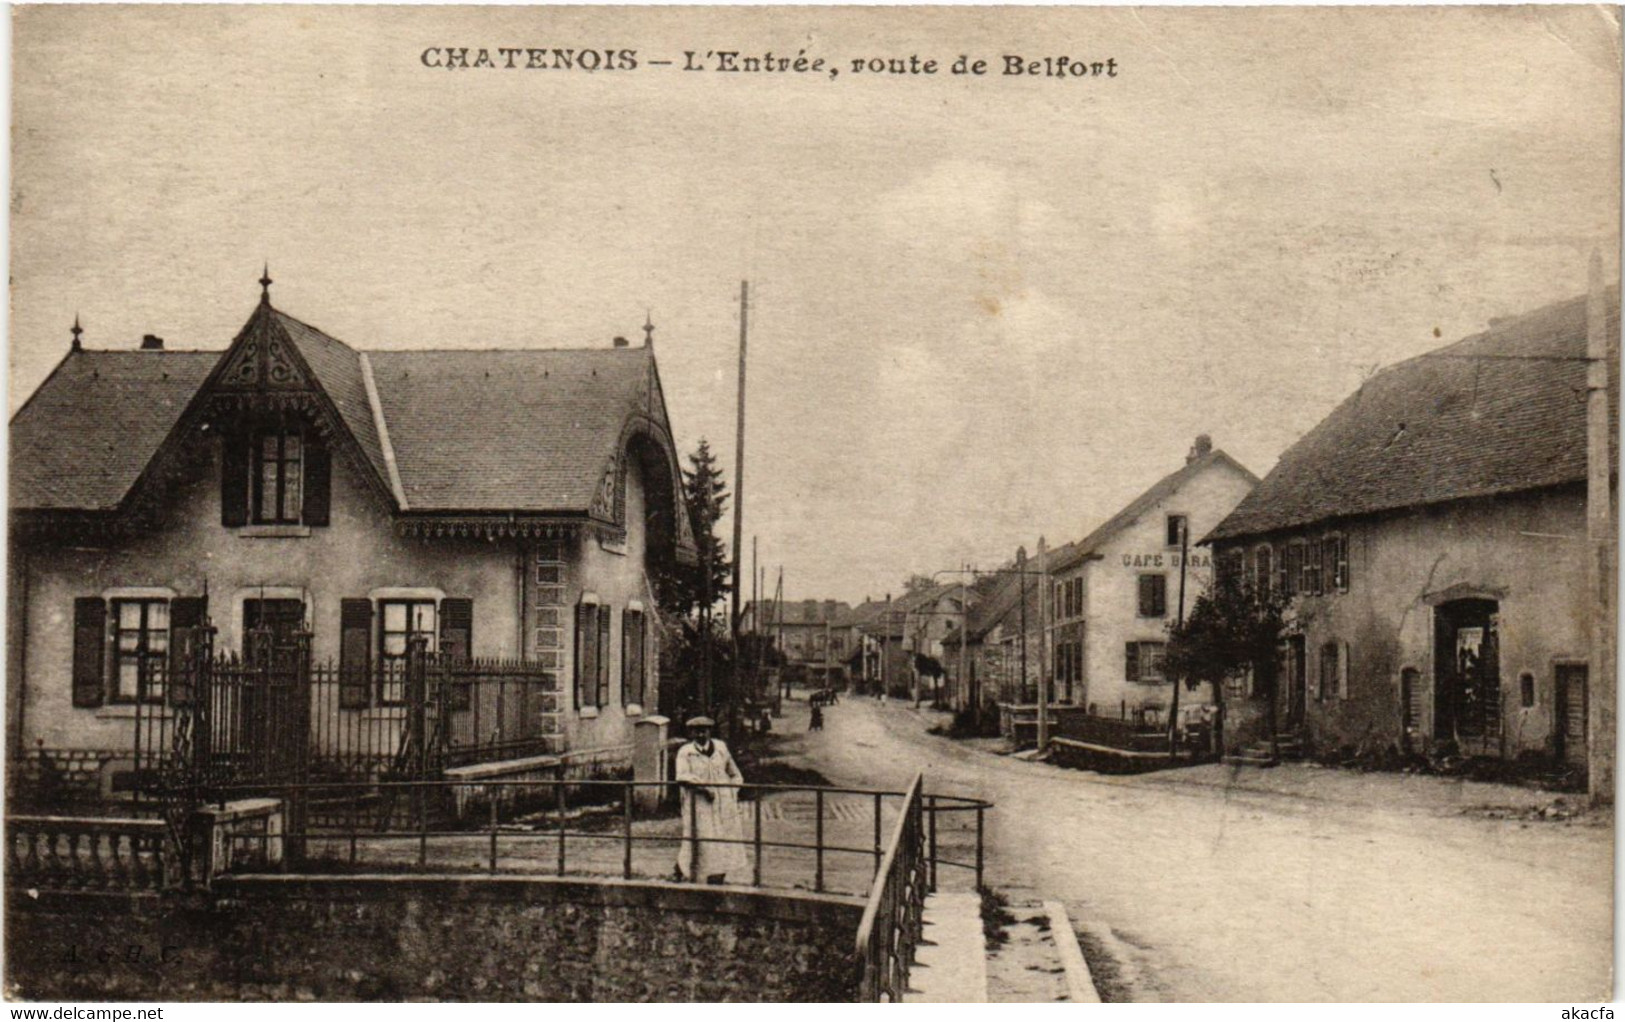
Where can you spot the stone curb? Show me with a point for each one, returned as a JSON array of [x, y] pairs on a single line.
[[1080, 985]]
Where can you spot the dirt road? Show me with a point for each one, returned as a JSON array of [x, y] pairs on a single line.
[[1203, 886]]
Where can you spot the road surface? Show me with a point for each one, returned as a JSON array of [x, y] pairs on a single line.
[[1344, 888]]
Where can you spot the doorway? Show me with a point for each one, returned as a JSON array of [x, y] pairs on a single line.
[[1569, 723], [1297, 682], [1467, 675]]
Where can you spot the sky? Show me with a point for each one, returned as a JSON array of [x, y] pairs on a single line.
[[983, 308]]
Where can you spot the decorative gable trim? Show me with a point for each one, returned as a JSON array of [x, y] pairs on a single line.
[[262, 372]]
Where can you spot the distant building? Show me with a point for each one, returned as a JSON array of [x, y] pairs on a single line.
[[818, 636], [1431, 532]]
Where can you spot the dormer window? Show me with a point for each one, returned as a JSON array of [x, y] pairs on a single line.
[[275, 476], [278, 476]]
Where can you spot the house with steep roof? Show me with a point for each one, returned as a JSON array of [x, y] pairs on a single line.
[[499, 507], [1114, 593], [1430, 536]]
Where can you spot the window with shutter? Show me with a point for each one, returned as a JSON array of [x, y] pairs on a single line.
[[1337, 563], [187, 614], [456, 646], [1263, 570], [318, 482], [603, 655], [355, 653], [632, 657], [1131, 659], [1343, 672], [140, 650], [1153, 595], [1326, 681], [586, 665], [89, 651], [233, 480]]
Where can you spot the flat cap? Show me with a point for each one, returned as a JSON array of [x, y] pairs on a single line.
[[700, 722]]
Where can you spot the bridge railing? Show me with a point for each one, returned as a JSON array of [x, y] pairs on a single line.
[[819, 838], [891, 923]]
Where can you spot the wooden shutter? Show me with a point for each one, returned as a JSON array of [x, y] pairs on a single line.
[[632, 657], [1343, 671], [1131, 656], [586, 654], [233, 479], [355, 654], [457, 628], [89, 651], [185, 614], [318, 481], [603, 655]]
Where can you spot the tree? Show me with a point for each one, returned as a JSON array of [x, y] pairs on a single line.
[[689, 593], [684, 592], [1233, 628]]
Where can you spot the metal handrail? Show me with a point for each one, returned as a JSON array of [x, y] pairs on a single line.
[[414, 799], [891, 921]]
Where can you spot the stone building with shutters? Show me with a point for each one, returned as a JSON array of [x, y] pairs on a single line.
[[1431, 536], [506, 505]]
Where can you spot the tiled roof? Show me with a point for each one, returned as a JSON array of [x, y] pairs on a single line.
[[1498, 412], [87, 433], [529, 431], [507, 430], [1162, 489]]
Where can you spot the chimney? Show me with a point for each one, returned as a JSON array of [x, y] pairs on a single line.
[[621, 342], [152, 342], [1200, 449]]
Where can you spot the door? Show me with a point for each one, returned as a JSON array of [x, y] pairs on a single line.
[[1467, 675], [1570, 722], [272, 711], [1297, 682]]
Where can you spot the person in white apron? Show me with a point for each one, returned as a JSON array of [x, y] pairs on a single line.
[[710, 813]]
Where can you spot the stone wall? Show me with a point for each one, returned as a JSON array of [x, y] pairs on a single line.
[[436, 938]]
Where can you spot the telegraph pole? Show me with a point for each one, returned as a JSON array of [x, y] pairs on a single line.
[[1043, 646], [1173, 705], [739, 497], [1600, 540]]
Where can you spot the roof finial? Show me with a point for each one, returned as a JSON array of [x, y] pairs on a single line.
[[76, 331], [265, 284], [648, 329]]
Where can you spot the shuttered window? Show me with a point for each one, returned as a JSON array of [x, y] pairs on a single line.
[[586, 658], [1327, 683], [187, 614], [355, 653], [603, 655], [399, 622], [1144, 661], [1337, 563], [1153, 595], [140, 650], [89, 650], [1263, 570], [633, 674], [275, 477]]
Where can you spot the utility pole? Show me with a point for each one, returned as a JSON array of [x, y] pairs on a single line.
[[739, 500], [1021, 566], [1600, 540], [1043, 646], [964, 640], [1173, 707]]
